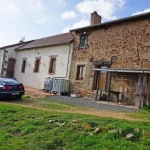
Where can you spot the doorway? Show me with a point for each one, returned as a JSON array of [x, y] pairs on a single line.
[[10, 68]]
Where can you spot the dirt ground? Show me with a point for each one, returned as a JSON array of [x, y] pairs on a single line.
[[35, 93]]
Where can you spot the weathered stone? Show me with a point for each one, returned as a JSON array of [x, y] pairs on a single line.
[[135, 66], [147, 42], [75, 121], [51, 121], [148, 50], [120, 131], [145, 56], [90, 133], [97, 130], [129, 136], [113, 131], [126, 41], [147, 30], [137, 130], [63, 124]]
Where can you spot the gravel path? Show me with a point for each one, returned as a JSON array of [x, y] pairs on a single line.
[[94, 104]]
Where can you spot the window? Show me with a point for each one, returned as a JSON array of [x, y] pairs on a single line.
[[52, 67], [80, 72], [37, 65], [83, 41], [23, 65]]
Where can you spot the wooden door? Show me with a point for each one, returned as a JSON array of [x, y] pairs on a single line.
[[102, 80], [10, 68]]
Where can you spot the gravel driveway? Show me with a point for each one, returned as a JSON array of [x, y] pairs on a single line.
[[94, 104]]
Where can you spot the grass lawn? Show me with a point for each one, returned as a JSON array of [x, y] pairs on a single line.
[[24, 128], [142, 113]]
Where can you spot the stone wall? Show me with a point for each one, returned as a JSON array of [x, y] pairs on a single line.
[[129, 41], [126, 84]]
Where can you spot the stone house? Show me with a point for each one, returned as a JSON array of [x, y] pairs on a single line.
[[111, 59], [43, 58], [8, 58]]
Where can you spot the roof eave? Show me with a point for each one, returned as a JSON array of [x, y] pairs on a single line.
[[17, 44], [114, 21], [42, 46]]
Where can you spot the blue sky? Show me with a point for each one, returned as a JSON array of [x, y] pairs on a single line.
[[35, 19]]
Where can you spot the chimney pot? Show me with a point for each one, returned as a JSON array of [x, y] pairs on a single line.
[[95, 18]]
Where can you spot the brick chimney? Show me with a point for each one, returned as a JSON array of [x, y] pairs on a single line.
[[95, 18]]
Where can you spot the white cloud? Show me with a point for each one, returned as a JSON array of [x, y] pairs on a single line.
[[68, 15], [79, 24], [62, 2], [39, 10], [141, 12], [8, 8], [36, 6], [42, 18], [105, 8]]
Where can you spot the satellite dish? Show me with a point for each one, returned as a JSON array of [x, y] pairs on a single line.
[[22, 39]]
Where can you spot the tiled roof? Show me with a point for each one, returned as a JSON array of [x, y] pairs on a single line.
[[17, 44], [52, 40], [104, 24]]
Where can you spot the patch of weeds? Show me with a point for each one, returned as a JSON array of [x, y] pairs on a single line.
[[8, 110], [28, 129], [143, 113], [50, 145], [25, 97], [32, 129], [92, 124]]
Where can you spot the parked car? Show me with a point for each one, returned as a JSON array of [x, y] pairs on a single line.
[[10, 88]]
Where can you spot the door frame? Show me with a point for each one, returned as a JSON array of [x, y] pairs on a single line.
[[99, 64]]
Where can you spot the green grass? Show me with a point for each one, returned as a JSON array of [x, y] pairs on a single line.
[[142, 113], [27, 128]]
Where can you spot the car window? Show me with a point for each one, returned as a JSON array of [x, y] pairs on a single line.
[[9, 81]]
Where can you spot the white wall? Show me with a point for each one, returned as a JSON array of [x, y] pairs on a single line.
[[11, 53], [1, 60], [36, 79]]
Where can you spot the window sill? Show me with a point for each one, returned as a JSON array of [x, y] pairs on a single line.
[[52, 73], [83, 47], [80, 81]]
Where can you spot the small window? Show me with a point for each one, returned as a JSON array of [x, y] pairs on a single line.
[[52, 67], [37, 65], [83, 41], [23, 65], [80, 72]]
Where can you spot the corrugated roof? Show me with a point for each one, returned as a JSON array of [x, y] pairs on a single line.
[[144, 15], [123, 70], [52, 40]]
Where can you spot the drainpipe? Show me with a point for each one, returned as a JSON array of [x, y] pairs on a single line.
[[2, 60], [68, 59]]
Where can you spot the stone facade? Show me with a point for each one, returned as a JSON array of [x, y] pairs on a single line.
[[129, 40]]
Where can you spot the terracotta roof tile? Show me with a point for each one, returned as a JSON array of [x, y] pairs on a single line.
[[52, 40]]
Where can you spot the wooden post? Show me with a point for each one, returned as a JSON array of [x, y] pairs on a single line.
[[109, 82], [97, 85]]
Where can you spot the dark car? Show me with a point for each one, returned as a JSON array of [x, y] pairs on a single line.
[[10, 88]]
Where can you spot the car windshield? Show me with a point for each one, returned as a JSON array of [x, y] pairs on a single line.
[[9, 81]]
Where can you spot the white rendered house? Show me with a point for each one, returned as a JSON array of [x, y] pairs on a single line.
[[42, 58]]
